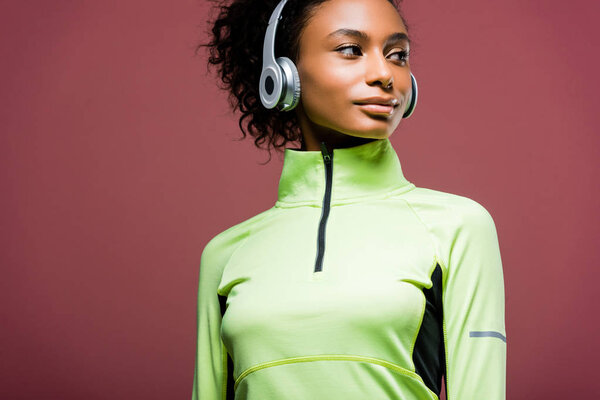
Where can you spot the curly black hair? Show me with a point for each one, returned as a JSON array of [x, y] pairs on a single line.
[[236, 47]]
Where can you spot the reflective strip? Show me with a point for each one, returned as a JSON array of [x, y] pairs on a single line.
[[487, 333]]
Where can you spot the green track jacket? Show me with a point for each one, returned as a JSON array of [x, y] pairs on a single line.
[[355, 285]]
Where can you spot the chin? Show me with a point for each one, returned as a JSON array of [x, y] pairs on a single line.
[[378, 130]]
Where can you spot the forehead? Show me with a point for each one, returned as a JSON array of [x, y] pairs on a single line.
[[377, 18]]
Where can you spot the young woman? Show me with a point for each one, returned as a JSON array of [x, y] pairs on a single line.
[[356, 284]]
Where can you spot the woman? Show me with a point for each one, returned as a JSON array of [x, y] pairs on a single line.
[[356, 284]]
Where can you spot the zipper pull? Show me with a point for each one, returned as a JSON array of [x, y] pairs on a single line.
[[326, 156]]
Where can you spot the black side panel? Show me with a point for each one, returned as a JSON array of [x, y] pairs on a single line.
[[428, 355], [230, 381]]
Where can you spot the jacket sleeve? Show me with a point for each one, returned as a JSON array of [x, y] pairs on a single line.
[[210, 366], [474, 323]]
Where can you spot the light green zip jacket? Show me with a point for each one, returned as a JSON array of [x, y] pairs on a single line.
[[355, 285]]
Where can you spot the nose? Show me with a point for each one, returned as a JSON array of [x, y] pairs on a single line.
[[378, 70]]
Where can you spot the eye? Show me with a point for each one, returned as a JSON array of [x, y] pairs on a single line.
[[351, 46], [403, 56]]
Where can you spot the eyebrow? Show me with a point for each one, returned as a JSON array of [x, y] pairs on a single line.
[[394, 37]]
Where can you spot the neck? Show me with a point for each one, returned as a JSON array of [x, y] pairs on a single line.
[[313, 135], [340, 141]]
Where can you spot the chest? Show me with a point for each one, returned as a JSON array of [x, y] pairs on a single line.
[[377, 258]]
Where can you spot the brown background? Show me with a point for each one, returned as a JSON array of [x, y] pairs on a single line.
[[118, 163]]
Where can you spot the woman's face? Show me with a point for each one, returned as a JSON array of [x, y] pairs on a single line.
[[339, 69]]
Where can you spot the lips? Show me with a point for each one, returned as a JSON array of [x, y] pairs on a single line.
[[377, 108], [378, 105], [384, 101]]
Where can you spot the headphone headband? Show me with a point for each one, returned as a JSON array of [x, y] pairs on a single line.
[[269, 44]]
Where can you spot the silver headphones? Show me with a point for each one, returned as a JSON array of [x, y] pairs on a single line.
[[280, 81]]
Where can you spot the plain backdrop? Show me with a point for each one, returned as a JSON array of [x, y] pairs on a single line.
[[119, 160]]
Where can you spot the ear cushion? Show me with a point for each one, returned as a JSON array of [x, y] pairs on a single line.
[[291, 85], [413, 98]]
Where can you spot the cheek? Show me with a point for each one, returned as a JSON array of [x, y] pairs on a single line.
[[326, 95]]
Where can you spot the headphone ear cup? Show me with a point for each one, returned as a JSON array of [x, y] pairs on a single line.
[[291, 84], [413, 98], [271, 85]]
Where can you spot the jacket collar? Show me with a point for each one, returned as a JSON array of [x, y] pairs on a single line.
[[366, 171]]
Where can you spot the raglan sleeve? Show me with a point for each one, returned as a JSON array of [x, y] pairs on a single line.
[[210, 369], [473, 308]]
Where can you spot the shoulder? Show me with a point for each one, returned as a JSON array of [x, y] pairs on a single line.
[[439, 207], [219, 248], [458, 225]]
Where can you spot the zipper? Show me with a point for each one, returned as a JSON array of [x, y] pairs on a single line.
[[328, 161]]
